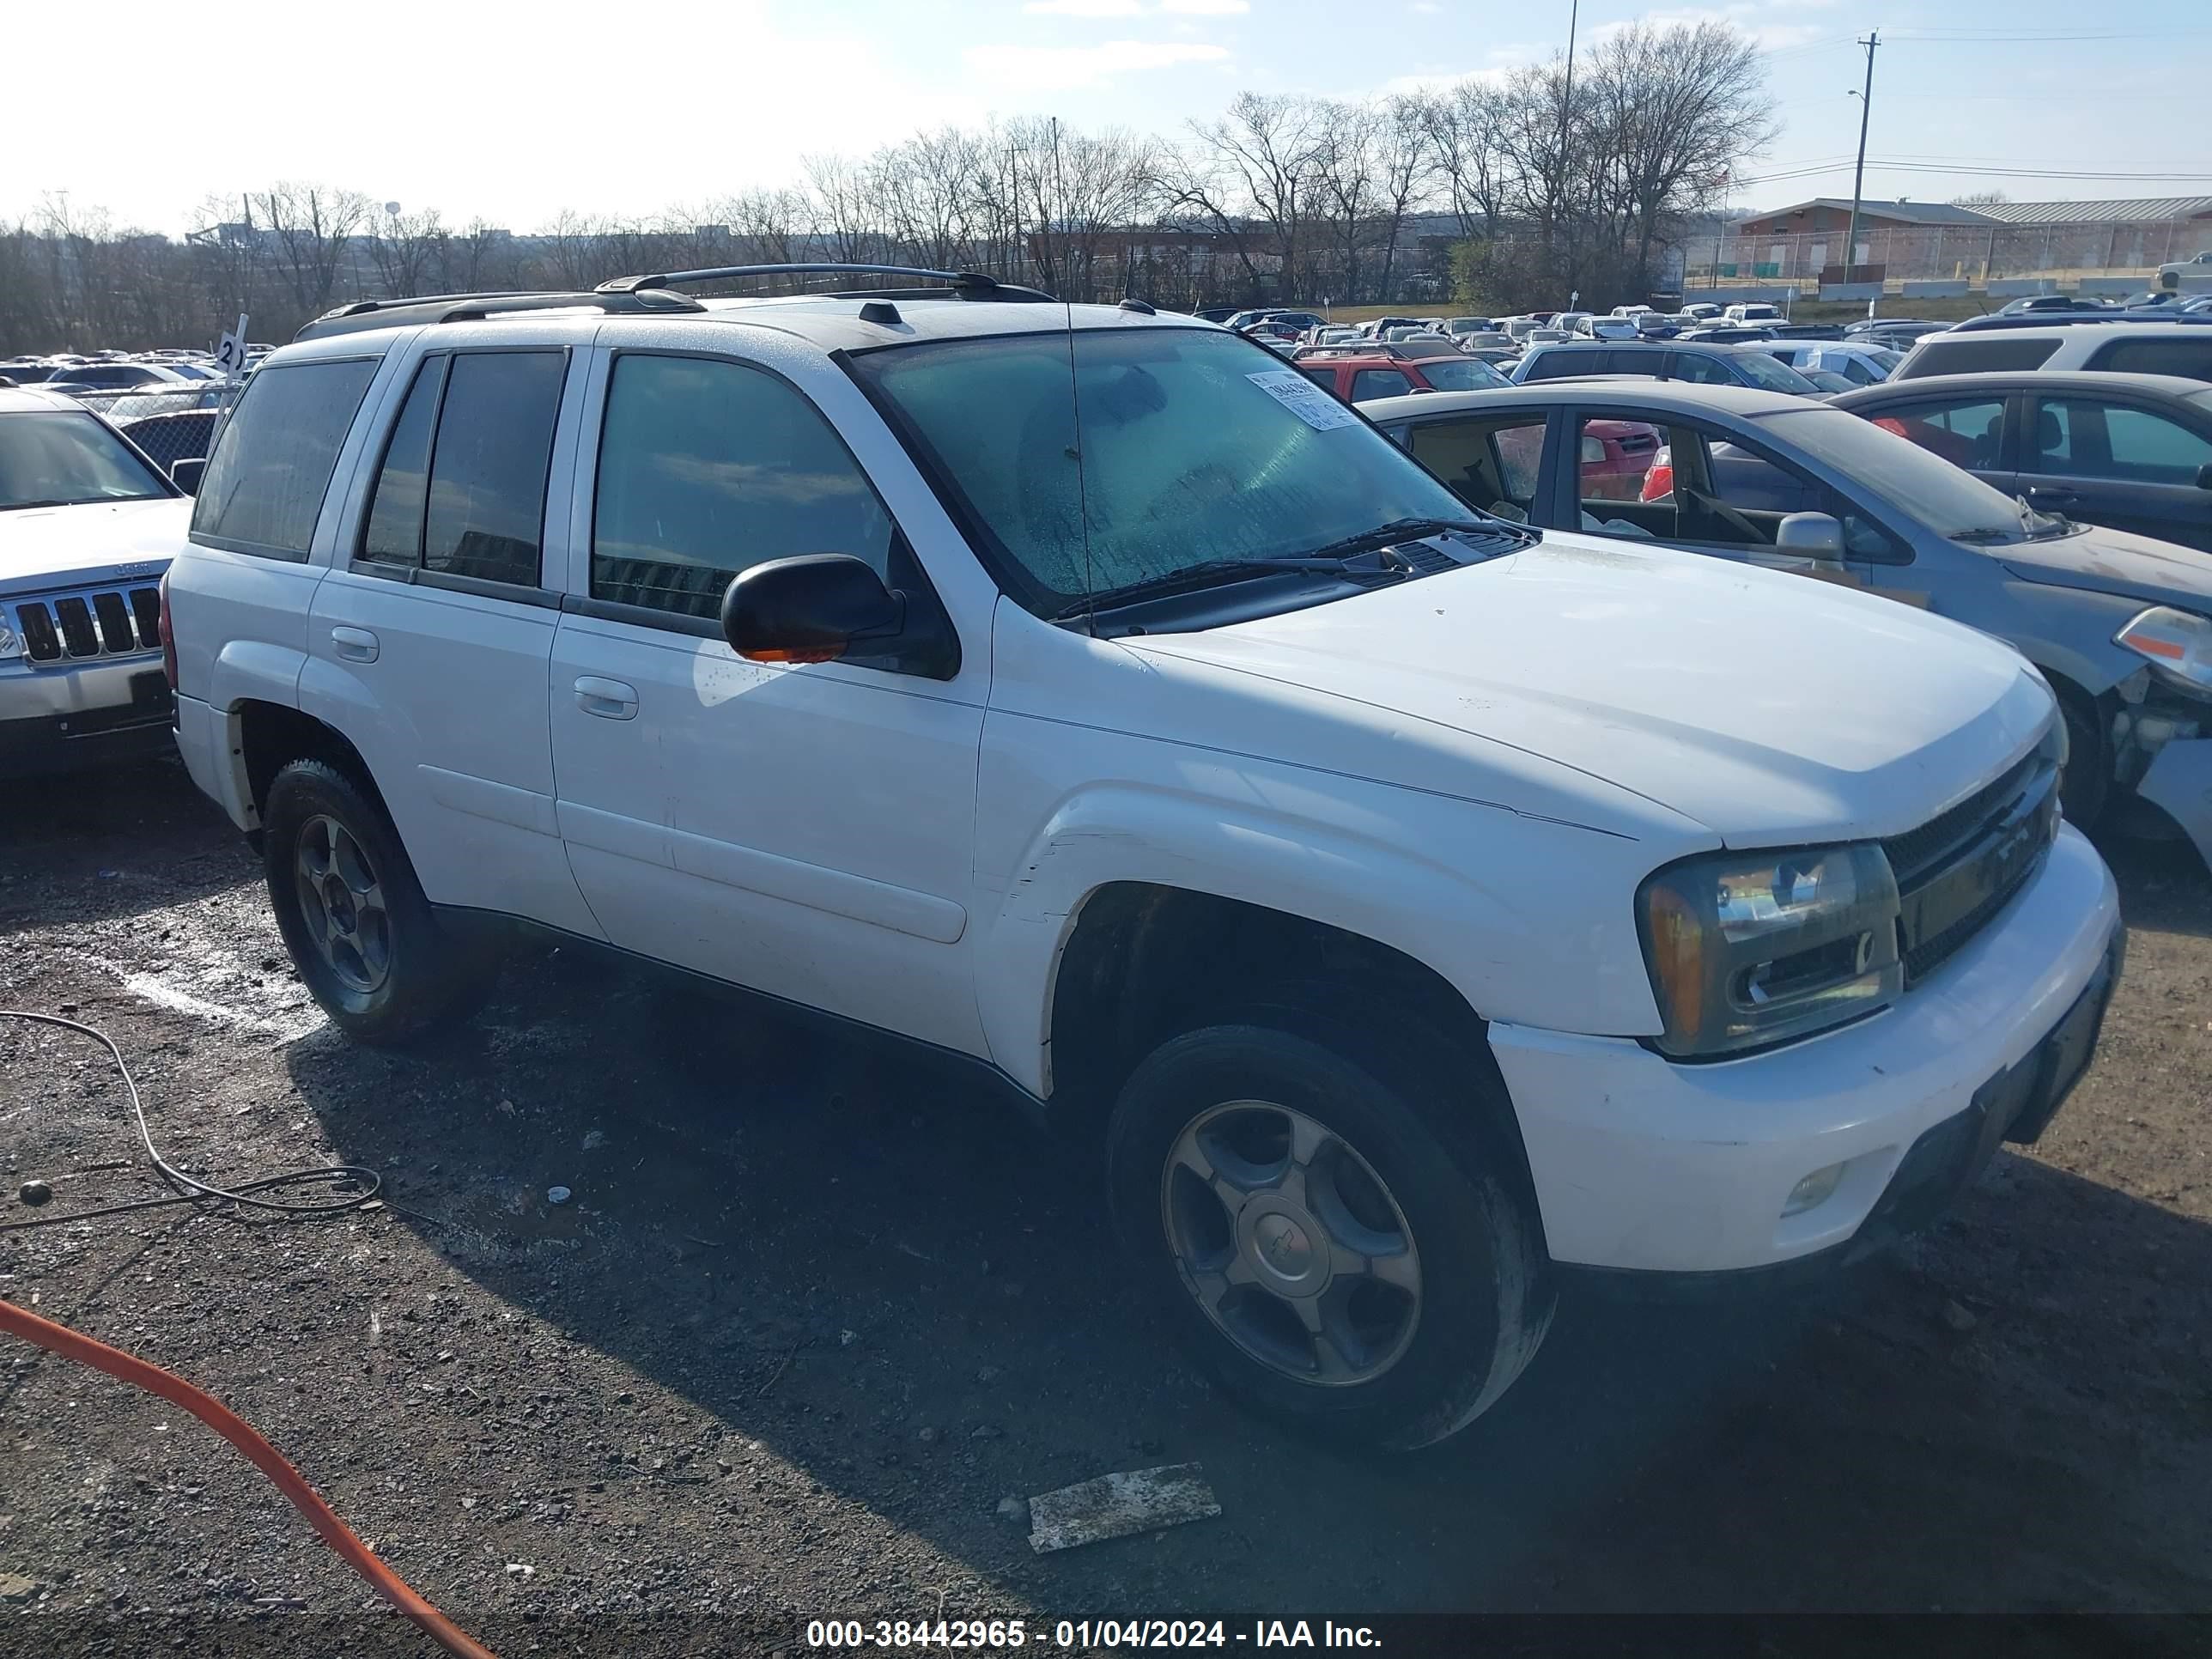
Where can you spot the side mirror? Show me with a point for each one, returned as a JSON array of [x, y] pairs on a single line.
[[1816, 535], [813, 608], [186, 475]]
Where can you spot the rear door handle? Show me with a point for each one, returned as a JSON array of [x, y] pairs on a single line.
[[353, 644], [610, 699]]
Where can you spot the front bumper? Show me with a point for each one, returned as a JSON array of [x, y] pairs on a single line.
[[1648, 1166], [2179, 782], [59, 719]]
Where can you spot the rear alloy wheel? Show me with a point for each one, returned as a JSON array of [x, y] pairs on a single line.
[[342, 902], [1341, 1240], [363, 937]]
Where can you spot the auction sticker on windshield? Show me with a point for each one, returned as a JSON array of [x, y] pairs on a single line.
[[1302, 399]]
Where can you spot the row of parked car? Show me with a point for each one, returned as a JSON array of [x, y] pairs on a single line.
[[1439, 849]]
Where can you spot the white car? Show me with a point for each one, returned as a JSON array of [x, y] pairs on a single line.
[[86, 527], [1753, 311], [1429, 909], [2182, 348], [1861, 365]]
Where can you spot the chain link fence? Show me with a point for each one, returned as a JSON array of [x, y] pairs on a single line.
[[171, 424], [1970, 253]]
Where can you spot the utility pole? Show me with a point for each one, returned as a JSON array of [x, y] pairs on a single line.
[[1566, 115], [1858, 172]]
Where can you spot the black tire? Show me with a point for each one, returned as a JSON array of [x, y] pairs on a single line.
[[423, 975], [1485, 1299], [2085, 786]]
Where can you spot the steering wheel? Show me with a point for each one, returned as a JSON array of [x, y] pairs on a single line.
[[1699, 506]]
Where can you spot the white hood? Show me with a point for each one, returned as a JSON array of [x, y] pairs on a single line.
[[1769, 707], [50, 547]]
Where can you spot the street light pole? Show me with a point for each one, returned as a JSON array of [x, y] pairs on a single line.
[[1858, 172]]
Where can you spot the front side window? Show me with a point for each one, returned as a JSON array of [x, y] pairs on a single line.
[[2086, 440], [1696, 367], [709, 468], [1771, 374], [57, 458], [265, 484], [1193, 446], [1967, 431]]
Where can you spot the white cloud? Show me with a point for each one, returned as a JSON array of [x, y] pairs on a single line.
[[1060, 69]]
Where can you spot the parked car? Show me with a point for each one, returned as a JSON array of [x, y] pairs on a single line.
[[1370, 369], [116, 376], [1858, 365], [87, 526], [1216, 313], [183, 435], [1609, 328], [1376, 328], [2131, 452], [2170, 348], [1898, 333], [1727, 334], [2120, 625], [1674, 360], [2172, 276], [2034, 305], [1701, 310], [1753, 311], [1112, 712], [1457, 326]]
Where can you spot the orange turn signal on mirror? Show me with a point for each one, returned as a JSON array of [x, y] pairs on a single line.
[[778, 653]]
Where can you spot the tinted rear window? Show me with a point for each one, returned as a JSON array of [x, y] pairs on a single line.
[[272, 462], [1565, 365], [2192, 357], [1976, 356]]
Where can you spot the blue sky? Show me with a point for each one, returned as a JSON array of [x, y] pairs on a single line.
[[515, 111]]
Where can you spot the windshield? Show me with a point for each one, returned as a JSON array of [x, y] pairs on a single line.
[[1195, 446], [1947, 499], [1468, 375], [54, 459], [1772, 374]]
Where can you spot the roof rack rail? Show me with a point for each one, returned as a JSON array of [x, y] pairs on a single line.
[[962, 285], [474, 308]]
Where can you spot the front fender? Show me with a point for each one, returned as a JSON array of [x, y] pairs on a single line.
[[1412, 872], [2068, 631]]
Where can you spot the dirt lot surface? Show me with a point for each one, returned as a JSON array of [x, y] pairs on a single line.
[[813, 1312]]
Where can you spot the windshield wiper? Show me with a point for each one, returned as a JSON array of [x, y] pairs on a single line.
[[11, 507], [1983, 536], [1216, 573], [1404, 530]]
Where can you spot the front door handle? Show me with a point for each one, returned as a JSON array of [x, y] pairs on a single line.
[[610, 699], [353, 644], [2044, 498]]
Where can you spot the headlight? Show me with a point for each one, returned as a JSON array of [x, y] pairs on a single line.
[[2176, 645], [1750, 949], [11, 642]]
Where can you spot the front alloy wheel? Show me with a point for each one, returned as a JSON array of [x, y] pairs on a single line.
[[1292, 1243]]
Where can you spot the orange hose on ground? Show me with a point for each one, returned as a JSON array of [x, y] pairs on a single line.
[[129, 1368]]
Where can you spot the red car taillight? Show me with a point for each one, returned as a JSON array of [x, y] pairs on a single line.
[[169, 637], [1658, 481]]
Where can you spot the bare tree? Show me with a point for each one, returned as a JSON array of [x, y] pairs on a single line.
[[308, 227]]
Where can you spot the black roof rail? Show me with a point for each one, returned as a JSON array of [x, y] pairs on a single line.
[[962, 284], [474, 308]]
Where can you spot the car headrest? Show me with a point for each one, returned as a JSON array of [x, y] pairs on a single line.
[[2049, 434]]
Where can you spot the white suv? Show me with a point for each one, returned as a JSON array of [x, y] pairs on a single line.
[[1428, 908], [87, 526]]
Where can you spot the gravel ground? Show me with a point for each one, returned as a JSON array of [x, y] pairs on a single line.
[[814, 1311]]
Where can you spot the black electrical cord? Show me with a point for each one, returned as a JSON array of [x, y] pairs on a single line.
[[189, 1191]]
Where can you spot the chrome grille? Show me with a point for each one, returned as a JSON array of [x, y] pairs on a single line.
[[108, 621]]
